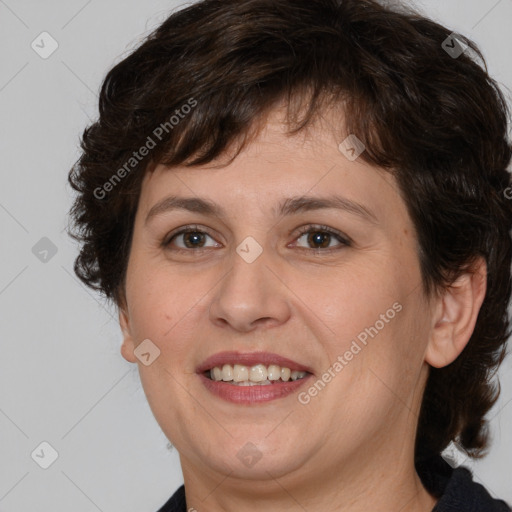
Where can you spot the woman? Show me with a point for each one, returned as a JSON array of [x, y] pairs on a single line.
[[298, 208]]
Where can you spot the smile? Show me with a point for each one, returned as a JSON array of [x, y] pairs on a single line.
[[251, 378]]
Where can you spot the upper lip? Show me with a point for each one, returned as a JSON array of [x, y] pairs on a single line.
[[250, 359]]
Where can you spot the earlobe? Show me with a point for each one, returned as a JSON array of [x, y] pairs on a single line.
[[127, 346], [455, 316]]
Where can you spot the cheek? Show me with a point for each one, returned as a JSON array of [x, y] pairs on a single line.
[[372, 318], [159, 300], [347, 300], [392, 359], [167, 307]]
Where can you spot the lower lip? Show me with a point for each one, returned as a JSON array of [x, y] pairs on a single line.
[[252, 394]]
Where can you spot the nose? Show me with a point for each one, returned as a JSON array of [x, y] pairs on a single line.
[[251, 295]]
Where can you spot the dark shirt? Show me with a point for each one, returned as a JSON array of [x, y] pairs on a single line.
[[454, 488]]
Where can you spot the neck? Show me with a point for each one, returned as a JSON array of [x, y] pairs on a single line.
[[396, 486]]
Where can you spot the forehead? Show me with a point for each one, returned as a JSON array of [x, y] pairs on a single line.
[[275, 166]]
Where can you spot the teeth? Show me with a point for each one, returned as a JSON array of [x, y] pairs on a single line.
[[240, 373], [258, 374], [249, 383], [227, 372], [274, 372], [216, 373]]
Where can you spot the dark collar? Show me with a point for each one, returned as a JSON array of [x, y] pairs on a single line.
[[454, 488]]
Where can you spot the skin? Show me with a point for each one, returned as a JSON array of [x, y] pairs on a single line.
[[351, 448]]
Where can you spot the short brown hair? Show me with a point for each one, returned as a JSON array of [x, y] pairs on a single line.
[[437, 122]]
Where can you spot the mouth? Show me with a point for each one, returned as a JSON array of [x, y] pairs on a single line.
[[254, 377]]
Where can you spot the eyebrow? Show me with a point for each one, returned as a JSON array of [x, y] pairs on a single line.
[[290, 206]]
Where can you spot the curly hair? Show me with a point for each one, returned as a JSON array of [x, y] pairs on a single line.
[[202, 81]]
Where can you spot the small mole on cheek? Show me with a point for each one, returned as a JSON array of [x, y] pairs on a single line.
[[406, 233]]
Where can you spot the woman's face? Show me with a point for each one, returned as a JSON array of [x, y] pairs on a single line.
[[333, 289]]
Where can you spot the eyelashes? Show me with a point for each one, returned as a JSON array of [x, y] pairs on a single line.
[[325, 230], [197, 231], [193, 239]]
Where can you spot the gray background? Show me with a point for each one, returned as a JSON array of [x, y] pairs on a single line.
[[62, 378]]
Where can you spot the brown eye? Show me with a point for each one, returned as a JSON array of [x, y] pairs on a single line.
[[189, 239], [318, 237], [193, 239]]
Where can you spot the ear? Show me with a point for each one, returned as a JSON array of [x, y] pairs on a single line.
[[128, 345], [455, 315]]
